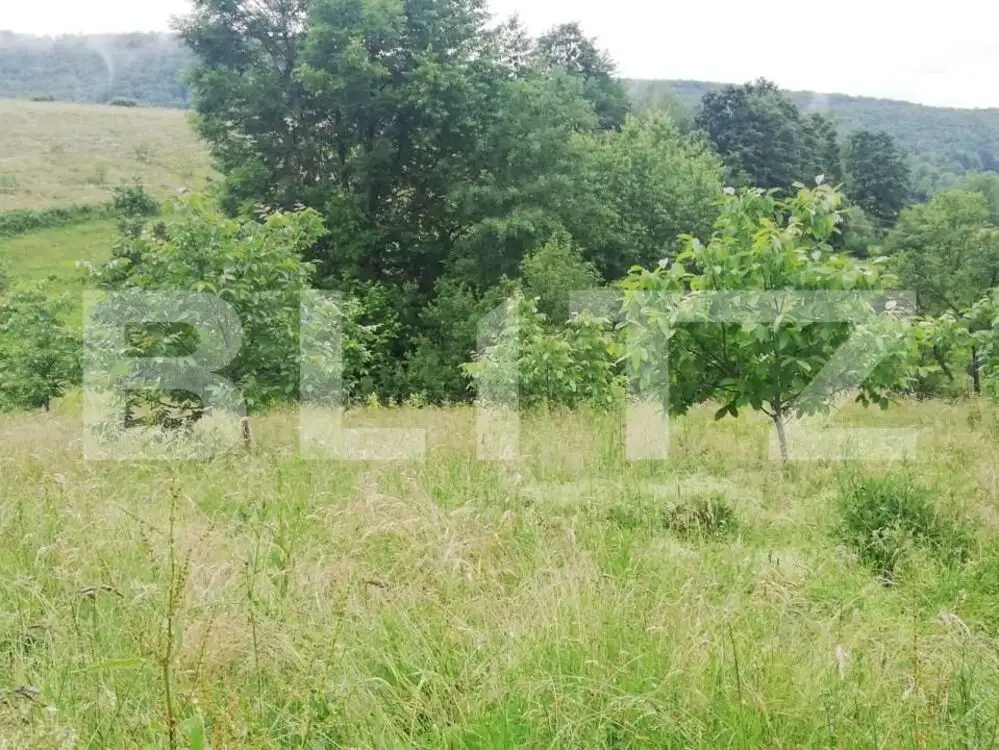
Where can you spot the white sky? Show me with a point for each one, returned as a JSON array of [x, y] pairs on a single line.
[[935, 53]]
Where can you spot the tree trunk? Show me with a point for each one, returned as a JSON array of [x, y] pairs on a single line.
[[976, 376], [778, 417]]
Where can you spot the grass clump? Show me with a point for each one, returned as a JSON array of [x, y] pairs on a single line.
[[883, 518], [704, 516]]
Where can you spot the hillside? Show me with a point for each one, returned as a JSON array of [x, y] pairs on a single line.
[[944, 141], [97, 69], [56, 154]]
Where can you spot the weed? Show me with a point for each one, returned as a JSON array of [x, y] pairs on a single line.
[[8, 183], [144, 153], [882, 518], [702, 516]]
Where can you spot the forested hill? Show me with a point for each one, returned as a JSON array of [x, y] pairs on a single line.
[[142, 67], [942, 142]]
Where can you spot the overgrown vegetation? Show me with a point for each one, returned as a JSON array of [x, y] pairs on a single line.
[[419, 208], [13, 223], [884, 518], [450, 602]]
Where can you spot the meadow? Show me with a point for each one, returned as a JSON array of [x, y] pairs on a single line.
[[568, 599], [57, 154]]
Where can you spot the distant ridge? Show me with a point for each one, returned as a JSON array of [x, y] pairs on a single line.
[[690, 92], [944, 142]]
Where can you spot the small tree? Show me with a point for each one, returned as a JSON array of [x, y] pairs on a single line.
[[947, 252], [39, 350], [567, 365], [255, 267], [767, 360], [554, 271]]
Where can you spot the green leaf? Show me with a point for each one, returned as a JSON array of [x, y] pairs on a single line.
[[113, 664], [194, 728]]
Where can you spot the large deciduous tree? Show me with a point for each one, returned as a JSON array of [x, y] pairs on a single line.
[[764, 139], [566, 47], [878, 177], [640, 189], [440, 153]]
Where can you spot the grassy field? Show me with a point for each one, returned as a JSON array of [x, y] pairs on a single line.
[[54, 154], [570, 600], [50, 255]]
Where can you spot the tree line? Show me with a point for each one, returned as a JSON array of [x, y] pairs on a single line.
[[434, 167]]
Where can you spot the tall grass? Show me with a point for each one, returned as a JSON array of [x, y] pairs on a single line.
[[58, 154], [569, 599]]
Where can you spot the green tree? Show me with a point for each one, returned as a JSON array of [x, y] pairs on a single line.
[[637, 191], [857, 236], [822, 144], [255, 266], [40, 352], [878, 177], [947, 252], [567, 48], [760, 245], [553, 272], [763, 138], [433, 145], [987, 185], [567, 365]]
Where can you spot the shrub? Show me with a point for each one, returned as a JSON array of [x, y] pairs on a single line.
[[882, 518], [43, 98], [13, 223], [553, 271], [144, 153], [570, 365], [123, 102], [133, 200]]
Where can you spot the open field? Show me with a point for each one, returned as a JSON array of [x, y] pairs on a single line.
[[55, 154], [51, 255], [555, 602]]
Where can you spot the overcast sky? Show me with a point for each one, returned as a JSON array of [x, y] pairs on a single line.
[[947, 54]]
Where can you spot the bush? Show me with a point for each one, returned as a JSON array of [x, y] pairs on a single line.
[[882, 518], [122, 102], [13, 223], [45, 98], [133, 200], [554, 271], [569, 365]]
